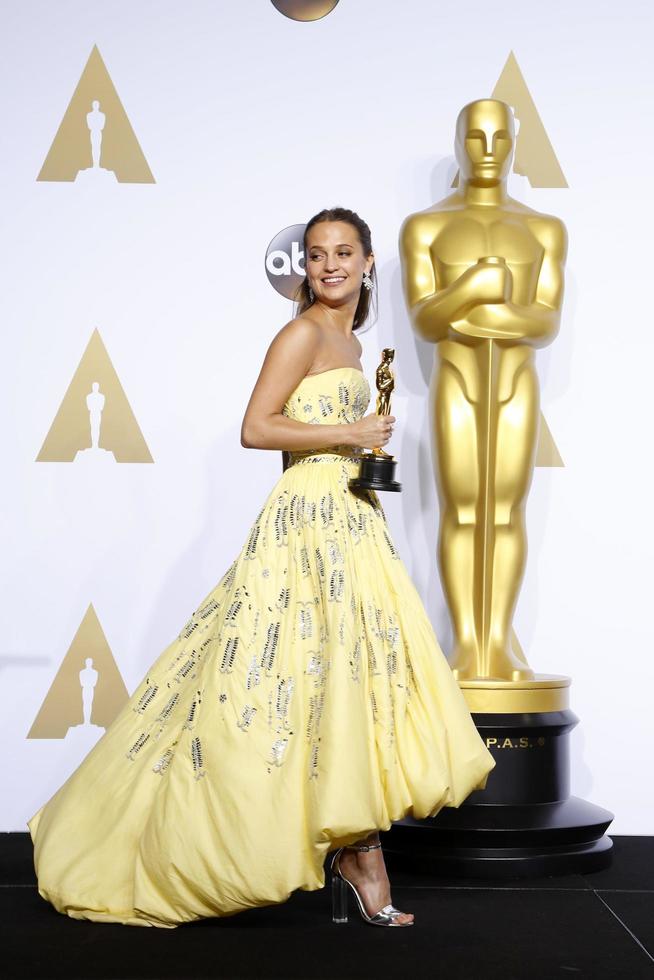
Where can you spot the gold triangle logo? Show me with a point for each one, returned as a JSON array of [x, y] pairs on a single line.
[[95, 141], [87, 690], [534, 156], [95, 422], [547, 453]]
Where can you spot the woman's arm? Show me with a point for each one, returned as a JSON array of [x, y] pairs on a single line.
[[287, 361]]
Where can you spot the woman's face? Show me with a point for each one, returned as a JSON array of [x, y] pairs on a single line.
[[335, 262]]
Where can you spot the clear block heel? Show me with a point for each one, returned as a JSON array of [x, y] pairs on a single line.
[[339, 899], [340, 884]]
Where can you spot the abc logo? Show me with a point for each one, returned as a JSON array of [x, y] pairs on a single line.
[[305, 9], [285, 260]]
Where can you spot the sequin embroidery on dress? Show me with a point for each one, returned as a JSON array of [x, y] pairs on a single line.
[[314, 600]]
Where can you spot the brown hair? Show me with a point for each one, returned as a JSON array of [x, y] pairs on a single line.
[[368, 297]]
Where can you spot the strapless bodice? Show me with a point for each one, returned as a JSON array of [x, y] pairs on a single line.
[[334, 397], [331, 397]]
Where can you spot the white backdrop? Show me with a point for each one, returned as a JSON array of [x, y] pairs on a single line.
[[251, 122]]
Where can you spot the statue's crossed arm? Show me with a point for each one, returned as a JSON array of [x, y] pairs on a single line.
[[478, 303]]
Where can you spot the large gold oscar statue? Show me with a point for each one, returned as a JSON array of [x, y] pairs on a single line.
[[483, 278]]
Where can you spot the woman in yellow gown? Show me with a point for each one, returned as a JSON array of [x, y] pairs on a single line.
[[306, 703]]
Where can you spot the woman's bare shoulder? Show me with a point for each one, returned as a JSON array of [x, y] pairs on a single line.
[[294, 345], [299, 334], [300, 326]]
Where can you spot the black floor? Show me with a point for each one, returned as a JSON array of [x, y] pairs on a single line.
[[595, 926]]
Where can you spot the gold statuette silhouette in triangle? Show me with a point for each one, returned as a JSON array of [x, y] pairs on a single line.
[[88, 683], [534, 157], [95, 421], [534, 154], [95, 139]]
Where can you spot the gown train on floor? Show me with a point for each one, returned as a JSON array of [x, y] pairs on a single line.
[[305, 703]]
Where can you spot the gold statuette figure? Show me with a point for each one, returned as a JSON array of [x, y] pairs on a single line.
[[483, 279], [385, 382], [377, 470]]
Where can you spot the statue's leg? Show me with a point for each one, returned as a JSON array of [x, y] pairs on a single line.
[[384, 409], [457, 475], [517, 426]]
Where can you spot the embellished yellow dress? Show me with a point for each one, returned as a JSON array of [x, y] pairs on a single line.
[[305, 703]]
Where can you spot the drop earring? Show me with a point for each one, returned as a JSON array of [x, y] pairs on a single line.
[[310, 294], [367, 280]]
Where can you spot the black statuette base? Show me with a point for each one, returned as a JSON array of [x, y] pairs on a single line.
[[376, 473], [524, 823]]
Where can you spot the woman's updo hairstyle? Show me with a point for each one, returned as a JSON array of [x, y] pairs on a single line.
[[368, 297]]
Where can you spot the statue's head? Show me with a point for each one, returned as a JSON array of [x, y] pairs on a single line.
[[485, 138], [89, 661], [95, 104], [96, 386], [388, 354]]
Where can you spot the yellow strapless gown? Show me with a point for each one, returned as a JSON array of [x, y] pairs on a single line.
[[304, 704]]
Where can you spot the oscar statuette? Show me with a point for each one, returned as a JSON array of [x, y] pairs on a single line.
[[377, 468], [483, 279]]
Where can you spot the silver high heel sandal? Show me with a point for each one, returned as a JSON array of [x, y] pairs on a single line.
[[385, 917]]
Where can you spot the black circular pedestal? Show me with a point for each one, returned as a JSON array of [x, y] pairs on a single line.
[[524, 823], [376, 473]]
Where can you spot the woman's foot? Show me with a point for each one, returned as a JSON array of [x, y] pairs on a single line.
[[367, 872]]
